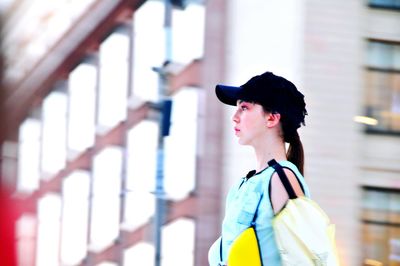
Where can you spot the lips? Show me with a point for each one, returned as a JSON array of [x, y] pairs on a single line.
[[236, 130]]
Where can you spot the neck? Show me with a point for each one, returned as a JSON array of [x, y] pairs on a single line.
[[268, 150]]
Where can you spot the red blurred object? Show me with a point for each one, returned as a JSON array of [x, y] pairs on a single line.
[[8, 215]]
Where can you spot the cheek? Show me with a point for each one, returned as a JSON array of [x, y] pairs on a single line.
[[256, 124], [247, 121]]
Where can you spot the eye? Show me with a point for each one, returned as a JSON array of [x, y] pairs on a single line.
[[244, 107]]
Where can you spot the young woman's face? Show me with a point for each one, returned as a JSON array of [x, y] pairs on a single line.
[[250, 122]]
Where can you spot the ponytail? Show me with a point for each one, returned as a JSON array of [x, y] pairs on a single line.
[[295, 153]]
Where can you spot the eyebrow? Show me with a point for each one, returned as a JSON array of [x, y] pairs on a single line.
[[243, 101]]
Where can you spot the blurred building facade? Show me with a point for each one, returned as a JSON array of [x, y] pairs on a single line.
[[80, 143]]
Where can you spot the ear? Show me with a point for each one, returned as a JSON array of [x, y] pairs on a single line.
[[272, 119]]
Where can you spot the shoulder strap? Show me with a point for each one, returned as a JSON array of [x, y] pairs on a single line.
[[284, 179]]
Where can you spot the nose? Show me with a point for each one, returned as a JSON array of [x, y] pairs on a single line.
[[235, 117]]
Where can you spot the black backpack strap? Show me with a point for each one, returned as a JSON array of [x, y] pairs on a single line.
[[220, 249], [284, 179]]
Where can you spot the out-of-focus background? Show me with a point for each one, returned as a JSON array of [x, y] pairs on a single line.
[[82, 148]]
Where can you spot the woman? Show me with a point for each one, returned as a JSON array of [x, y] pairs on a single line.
[[269, 111]]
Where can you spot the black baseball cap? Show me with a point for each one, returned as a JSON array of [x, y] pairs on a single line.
[[274, 93]]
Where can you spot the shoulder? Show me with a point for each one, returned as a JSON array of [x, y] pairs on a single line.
[[278, 193]]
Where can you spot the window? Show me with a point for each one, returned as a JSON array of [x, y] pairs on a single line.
[[381, 226], [141, 174], [384, 55], [107, 263], [26, 239], [184, 36], [54, 147], [180, 232], [180, 145], [382, 101], [143, 252], [389, 4], [82, 103], [107, 170], [149, 49], [75, 213], [49, 212], [9, 162], [113, 80], [186, 43], [29, 155]]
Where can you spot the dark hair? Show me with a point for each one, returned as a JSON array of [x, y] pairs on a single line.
[[295, 152]]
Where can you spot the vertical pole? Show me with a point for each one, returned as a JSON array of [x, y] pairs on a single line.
[[159, 215], [159, 192], [168, 30]]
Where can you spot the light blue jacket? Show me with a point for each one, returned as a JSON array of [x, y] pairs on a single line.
[[241, 205]]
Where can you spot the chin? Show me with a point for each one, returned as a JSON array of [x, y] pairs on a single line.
[[243, 142]]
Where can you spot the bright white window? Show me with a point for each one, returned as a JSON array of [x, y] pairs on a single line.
[[49, 212], [82, 102], [180, 146], [149, 48], [188, 34], [141, 173], [178, 243], [139, 208], [54, 133], [107, 169], [75, 217], [140, 254], [142, 156], [28, 155], [107, 263], [26, 237], [113, 92]]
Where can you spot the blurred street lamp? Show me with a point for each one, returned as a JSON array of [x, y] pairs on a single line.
[[164, 107]]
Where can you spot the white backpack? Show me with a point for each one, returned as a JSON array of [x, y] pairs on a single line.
[[303, 232]]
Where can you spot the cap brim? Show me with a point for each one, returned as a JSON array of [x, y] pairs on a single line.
[[228, 94]]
